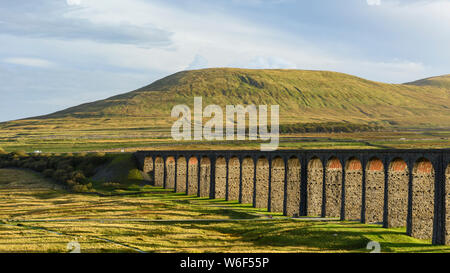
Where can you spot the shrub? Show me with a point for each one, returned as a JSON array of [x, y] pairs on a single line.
[[96, 158], [76, 161], [25, 163], [135, 174], [14, 162], [4, 162], [68, 168], [39, 166], [48, 172], [70, 183], [53, 162], [98, 154], [328, 127], [2, 152], [65, 165], [80, 188], [20, 153], [78, 177], [60, 175], [111, 184], [87, 168]]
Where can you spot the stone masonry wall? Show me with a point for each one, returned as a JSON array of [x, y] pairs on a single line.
[[221, 176], [333, 193], [277, 186], [314, 188], [233, 179], [374, 192], [422, 201], [293, 188], [247, 181], [159, 172], [333, 189], [148, 165], [447, 206], [397, 194], [192, 177], [353, 190], [205, 177], [170, 173], [181, 175], [262, 183]]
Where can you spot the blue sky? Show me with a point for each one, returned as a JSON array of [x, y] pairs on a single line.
[[59, 53]]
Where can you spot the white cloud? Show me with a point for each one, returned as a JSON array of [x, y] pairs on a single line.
[[73, 2], [54, 20], [215, 38], [373, 2], [33, 62], [237, 43], [264, 62], [198, 63], [259, 2], [393, 71]]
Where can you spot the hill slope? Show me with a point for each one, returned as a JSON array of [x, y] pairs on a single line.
[[303, 96], [308, 99], [440, 81]]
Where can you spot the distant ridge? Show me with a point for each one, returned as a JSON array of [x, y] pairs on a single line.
[[439, 81]]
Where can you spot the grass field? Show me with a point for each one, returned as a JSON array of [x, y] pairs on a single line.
[[113, 137], [39, 216]]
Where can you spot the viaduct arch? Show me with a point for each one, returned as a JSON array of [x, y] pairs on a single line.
[[396, 188]]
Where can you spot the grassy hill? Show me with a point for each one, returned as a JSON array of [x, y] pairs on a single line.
[[440, 82], [307, 100], [303, 96]]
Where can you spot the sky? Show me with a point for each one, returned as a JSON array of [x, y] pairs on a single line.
[[56, 54]]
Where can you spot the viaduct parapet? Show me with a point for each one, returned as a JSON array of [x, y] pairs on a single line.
[[398, 188]]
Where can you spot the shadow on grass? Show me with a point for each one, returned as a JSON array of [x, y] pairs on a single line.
[[232, 214], [319, 236]]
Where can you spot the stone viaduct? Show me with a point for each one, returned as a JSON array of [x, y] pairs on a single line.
[[398, 188]]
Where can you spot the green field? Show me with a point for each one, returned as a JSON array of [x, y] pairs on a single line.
[[37, 215], [131, 138]]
